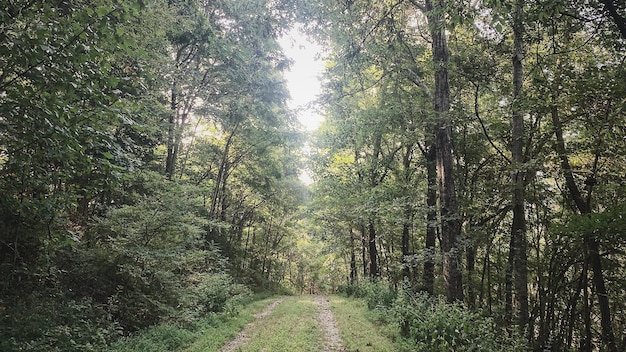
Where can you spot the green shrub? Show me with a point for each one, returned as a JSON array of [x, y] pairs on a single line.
[[376, 293], [219, 293], [430, 324], [160, 338], [49, 322]]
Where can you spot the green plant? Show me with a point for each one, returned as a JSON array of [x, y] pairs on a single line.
[[160, 338], [431, 324], [377, 294], [219, 293], [54, 322]]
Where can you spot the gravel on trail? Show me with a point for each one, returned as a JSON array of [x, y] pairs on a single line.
[[326, 319], [329, 326]]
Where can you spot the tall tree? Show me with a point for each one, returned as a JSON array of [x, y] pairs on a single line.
[[518, 226], [583, 205], [450, 220]]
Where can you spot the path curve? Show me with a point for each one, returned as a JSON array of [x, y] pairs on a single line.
[[329, 326], [244, 335]]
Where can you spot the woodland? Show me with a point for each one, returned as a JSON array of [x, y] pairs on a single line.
[[469, 177]]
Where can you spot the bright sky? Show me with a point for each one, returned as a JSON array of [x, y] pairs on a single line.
[[303, 77], [303, 82]]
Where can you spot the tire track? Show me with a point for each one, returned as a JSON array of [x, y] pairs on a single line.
[[333, 342], [244, 335]]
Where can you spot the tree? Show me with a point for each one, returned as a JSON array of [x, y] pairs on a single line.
[[518, 225], [504, 138], [96, 97], [450, 221]]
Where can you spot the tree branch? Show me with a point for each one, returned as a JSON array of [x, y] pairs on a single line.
[[617, 18], [419, 6], [482, 125]]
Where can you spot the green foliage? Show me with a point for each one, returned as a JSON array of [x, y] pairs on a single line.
[[377, 294], [94, 242], [431, 324], [608, 225], [153, 252], [208, 333], [423, 323], [51, 322], [219, 293], [160, 338]]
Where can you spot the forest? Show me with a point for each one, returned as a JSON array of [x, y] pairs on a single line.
[[469, 177]]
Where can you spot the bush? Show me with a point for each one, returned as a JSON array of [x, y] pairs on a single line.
[[219, 293], [426, 324], [377, 294], [430, 324], [49, 322], [160, 338]]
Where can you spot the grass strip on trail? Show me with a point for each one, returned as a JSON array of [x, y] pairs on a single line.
[[214, 338], [293, 326], [206, 335], [358, 332], [243, 336]]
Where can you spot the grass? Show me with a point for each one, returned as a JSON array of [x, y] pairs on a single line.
[[209, 334], [292, 327], [213, 338], [358, 331]]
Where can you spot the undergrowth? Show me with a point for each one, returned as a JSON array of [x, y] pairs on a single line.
[[421, 323], [217, 327]]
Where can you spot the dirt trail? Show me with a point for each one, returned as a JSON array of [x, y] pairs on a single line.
[[244, 335], [329, 326]]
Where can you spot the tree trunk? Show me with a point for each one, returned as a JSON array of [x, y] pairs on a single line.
[[408, 219], [470, 255], [450, 222], [406, 251], [172, 127], [518, 227], [431, 220], [408, 216], [373, 251], [353, 271], [508, 284], [218, 199], [589, 240], [364, 250]]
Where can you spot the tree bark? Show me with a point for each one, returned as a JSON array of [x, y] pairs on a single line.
[[408, 217], [450, 222], [353, 270], [518, 226], [373, 251], [431, 220], [217, 201], [172, 127], [508, 284], [363, 250], [406, 251], [590, 242]]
